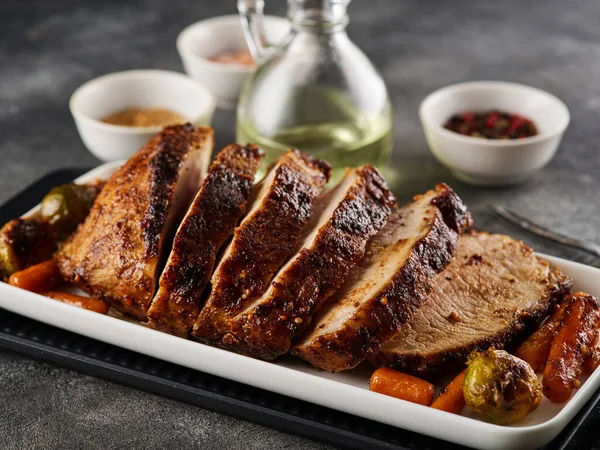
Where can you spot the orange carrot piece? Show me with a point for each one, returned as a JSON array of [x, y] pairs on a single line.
[[570, 347], [91, 304], [39, 278], [401, 385], [536, 348], [451, 398], [592, 361]]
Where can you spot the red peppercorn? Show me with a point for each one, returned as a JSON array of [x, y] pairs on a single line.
[[491, 125], [468, 116], [491, 119]]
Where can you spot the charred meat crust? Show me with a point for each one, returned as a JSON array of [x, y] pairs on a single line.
[[316, 164], [171, 145], [453, 209], [211, 219], [395, 304], [439, 364], [114, 254], [267, 329], [262, 245]]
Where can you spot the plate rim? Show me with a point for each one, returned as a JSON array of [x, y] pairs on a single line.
[[450, 427]]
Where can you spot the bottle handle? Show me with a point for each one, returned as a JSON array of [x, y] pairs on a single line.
[[251, 14]]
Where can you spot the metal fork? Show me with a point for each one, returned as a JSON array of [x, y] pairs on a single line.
[[513, 218]]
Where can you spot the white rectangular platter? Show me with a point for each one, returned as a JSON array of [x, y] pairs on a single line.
[[346, 391]]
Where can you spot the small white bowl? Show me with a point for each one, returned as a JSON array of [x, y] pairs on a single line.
[[490, 161], [205, 39], [115, 92]]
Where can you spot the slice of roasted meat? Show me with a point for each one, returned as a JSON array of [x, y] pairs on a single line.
[[266, 237], [209, 222], [115, 253], [495, 292], [348, 216], [389, 284], [23, 243]]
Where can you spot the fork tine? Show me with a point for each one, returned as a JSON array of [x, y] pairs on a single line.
[[527, 225]]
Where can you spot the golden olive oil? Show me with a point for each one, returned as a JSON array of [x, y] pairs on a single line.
[[326, 125]]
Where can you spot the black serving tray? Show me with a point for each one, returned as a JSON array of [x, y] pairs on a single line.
[[113, 363]]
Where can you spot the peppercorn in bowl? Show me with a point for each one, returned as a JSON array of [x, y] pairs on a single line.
[[493, 133]]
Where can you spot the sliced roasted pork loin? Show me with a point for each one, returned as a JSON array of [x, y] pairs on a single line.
[[389, 284], [115, 253], [266, 237], [347, 217], [209, 222], [494, 293]]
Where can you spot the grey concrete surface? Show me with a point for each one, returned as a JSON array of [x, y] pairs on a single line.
[[48, 48]]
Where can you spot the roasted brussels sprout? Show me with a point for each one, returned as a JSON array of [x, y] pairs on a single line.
[[500, 388], [8, 263], [64, 207], [23, 243]]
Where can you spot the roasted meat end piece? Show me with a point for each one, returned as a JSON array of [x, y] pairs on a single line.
[[23, 243], [389, 284], [346, 218], [495, 292], [209, 222], [267, 236], [116, 253]]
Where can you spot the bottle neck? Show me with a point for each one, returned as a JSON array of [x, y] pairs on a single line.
[[323, 16]]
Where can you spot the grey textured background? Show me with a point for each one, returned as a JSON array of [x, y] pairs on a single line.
[[48, 48]]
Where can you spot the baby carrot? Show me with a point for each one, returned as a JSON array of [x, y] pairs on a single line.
[[41, 277], [401, 385], [536, 348], [569, 347], [451, 399], [91, 304]]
